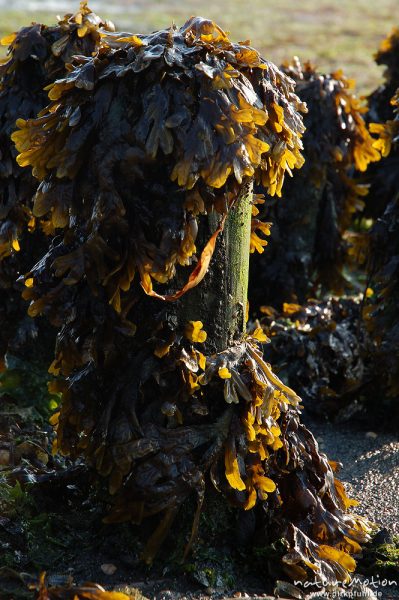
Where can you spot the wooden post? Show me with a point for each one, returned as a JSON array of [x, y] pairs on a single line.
[[220, 300]]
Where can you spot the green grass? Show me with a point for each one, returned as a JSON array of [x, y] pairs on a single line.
[[11, 20], [332, 34]]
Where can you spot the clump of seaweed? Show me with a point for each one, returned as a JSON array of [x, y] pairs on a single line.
[[322, 350]]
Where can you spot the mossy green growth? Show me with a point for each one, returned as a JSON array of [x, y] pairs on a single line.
[[231, 550], [381, 559], [24, 390], [210, 562], [13, 499]]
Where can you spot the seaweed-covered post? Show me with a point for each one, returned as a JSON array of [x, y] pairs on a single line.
[[383, 205], [382, 115], [37, 56], [308, 245], [146, 156], [381, 314]]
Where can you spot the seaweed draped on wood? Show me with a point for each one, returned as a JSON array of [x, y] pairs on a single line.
[[144, 153], [381, 314], [37, 57], [308, 243], [381, 242], [384, 177], [169, 126], [216, 113]]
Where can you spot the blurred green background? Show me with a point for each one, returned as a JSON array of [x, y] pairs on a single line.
[[334, 34]]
